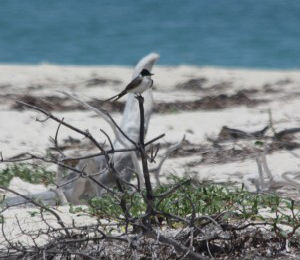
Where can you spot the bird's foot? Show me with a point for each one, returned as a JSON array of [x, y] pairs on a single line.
[[139, 97]]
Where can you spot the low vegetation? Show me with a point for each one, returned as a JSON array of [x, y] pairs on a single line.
[[27, 172], [232, 220], [231, 201]]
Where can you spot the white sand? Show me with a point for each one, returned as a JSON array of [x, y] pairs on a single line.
[[20, 132]]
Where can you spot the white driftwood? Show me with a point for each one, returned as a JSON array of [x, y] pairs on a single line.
[[125, 163]]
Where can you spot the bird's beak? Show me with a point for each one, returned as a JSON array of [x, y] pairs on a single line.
[[151, 74]]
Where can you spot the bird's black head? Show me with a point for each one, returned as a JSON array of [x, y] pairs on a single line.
[[146, 72]]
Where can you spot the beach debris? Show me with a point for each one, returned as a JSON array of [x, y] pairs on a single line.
[[231, 133], [96, 81], [193, 84]]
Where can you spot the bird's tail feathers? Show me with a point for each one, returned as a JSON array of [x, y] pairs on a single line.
[[116, 97], [110, 98]]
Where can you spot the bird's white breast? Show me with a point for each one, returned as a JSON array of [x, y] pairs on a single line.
[[144, 85]]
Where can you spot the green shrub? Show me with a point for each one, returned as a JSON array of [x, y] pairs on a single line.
[[27, 172]]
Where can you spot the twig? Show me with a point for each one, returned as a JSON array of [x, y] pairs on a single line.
[[169, 151], [271, 122], [107, 117]]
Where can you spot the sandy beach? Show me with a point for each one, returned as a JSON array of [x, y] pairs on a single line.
[[195, 102], [192, 101]]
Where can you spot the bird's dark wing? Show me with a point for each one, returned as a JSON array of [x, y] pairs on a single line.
[[133, 84]]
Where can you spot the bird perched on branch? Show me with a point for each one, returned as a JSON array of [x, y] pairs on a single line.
[[138, 85]]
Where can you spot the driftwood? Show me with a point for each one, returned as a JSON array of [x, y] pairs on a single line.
[[286, 132], [74, 187], [227, 133]]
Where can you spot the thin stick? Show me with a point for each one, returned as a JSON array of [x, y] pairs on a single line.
[[148, 185]]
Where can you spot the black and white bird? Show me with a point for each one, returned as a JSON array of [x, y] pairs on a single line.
[[137, 86]]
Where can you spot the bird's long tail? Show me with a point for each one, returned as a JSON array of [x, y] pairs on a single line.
[[116, 97]]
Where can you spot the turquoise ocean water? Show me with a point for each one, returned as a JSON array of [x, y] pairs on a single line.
[[236, 33]]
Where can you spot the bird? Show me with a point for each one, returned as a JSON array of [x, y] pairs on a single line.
[[138, 85]]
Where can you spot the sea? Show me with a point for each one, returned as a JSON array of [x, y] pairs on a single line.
[[230, 33]]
